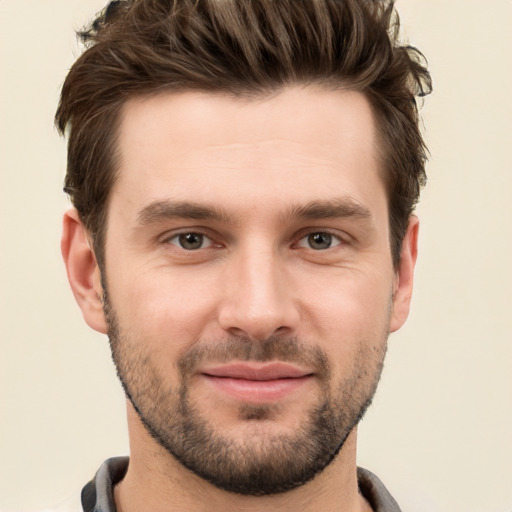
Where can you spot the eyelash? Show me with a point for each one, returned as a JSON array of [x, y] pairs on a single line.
[[336, 239], [177, 236], [332, 238]]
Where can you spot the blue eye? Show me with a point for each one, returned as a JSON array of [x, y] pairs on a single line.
[[319, 241], [191, 241]]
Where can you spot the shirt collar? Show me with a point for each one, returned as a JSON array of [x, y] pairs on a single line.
[[98, 494]]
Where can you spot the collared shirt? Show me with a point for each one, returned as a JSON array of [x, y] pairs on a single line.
[[98, 494]]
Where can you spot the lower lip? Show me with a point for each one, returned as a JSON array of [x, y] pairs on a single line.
[[257, 391]]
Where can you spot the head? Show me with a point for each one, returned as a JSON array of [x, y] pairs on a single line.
[[246, 173]]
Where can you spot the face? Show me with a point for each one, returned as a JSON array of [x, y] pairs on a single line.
[[249, 285]]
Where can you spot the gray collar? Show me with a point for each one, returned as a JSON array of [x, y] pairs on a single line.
[[98, 494]]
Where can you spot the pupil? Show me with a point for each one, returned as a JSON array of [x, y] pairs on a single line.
[[191, 241], [320, 240]]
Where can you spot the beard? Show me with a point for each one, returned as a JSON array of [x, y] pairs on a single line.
[[262, 462]]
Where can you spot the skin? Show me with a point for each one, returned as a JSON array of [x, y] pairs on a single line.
[[257, 162]]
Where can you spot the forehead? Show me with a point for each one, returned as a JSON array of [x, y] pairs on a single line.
[[300, 145]]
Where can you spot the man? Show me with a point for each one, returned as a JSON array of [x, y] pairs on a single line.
[[243, 175]]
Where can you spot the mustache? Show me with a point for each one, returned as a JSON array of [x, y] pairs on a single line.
[[275, 348]]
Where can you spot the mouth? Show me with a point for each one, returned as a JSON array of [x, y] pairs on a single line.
[[256, 383]]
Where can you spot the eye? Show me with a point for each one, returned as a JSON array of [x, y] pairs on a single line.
[[191, 241], [319, 241]]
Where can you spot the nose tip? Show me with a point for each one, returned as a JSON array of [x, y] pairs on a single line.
[[257, 327]]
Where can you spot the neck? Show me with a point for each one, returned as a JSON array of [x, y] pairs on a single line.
[[156, 481]]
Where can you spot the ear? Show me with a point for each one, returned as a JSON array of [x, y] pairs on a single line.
[[402, 289], [83, 271]]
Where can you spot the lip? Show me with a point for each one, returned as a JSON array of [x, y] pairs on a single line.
[[256, 383]]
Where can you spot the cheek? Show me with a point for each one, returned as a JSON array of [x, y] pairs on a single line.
[[164, 309], [355, 302], [349, 318]]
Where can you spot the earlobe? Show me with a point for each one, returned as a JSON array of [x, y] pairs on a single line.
[[405, 276], [83, 271]]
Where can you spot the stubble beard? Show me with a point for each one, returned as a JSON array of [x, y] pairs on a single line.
[[262, 463]]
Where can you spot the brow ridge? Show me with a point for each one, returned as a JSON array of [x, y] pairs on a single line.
[[333, 208], [161, 210]]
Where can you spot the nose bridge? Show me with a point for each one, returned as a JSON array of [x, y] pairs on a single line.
[[262, 287], [258, 298]]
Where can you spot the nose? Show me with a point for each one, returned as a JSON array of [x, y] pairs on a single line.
[[258, 299]]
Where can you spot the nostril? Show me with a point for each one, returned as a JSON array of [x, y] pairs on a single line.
[[236, 331]]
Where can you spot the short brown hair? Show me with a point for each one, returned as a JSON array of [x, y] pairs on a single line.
[[244, 48]]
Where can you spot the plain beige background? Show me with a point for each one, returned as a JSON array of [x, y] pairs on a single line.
[[440, 431]]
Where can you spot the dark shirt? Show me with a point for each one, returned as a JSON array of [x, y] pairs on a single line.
[[98, 494]]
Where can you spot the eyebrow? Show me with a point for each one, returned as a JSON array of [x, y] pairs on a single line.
[[343, 207], [159, 211]]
